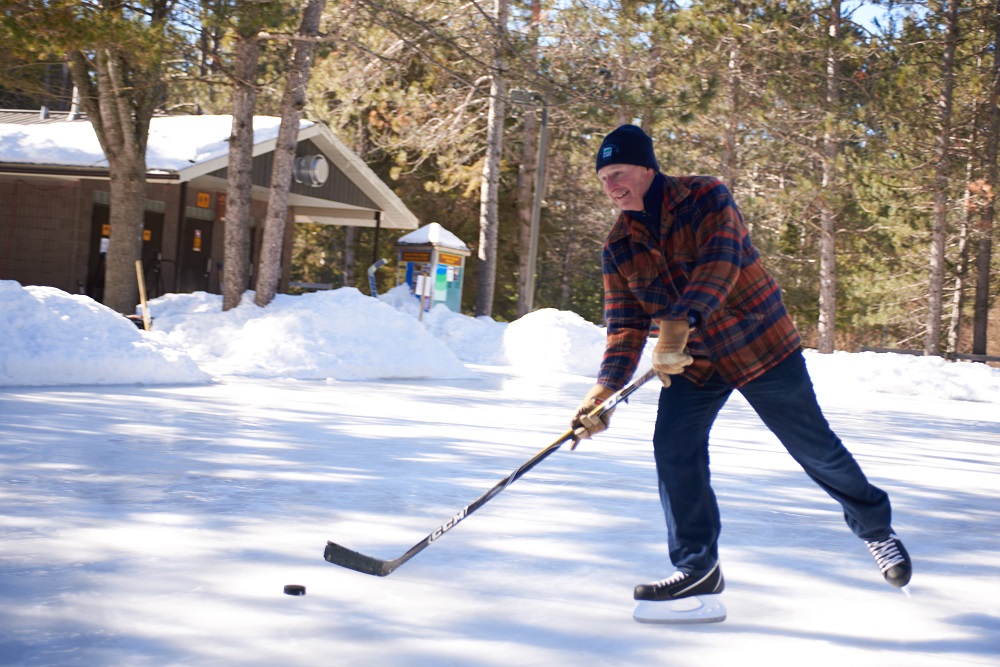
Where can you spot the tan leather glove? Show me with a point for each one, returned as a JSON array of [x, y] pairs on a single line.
[[585, 426], [669, 355]]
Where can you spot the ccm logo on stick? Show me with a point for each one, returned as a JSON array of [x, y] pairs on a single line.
[[449, 525]]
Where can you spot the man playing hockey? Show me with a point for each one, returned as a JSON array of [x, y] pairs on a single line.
[[679, 257]]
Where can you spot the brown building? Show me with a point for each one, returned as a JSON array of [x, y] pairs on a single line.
[[54, 199]]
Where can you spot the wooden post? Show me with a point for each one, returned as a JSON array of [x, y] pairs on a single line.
[[142, 294]]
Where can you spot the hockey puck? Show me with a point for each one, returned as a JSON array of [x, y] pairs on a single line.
[[295, 589]]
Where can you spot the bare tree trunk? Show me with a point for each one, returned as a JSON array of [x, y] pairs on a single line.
[[566, 279], [119, 101], [490, 187], [292, 104], [362, 146], [984, 252], [827, 328], [351, 235], [236, 247], [209, 42], [958, 296], [119, 90], [961, 271], [128, 199], [932, 341], [730, 149], [526, 179]]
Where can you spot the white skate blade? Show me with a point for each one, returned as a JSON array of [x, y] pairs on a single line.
[[694, 609]]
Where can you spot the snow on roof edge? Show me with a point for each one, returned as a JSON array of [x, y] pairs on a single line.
[[434, 234]]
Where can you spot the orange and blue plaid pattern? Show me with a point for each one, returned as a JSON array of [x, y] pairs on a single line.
[[702, 266]]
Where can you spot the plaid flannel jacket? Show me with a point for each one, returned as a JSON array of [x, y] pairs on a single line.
[[703, 266]]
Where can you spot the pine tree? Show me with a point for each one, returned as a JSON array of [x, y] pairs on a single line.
[[292, 103], [115, 52]]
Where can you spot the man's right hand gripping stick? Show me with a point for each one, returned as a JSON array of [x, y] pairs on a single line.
[[586, 423]]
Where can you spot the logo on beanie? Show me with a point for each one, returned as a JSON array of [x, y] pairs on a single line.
[[628, 144]]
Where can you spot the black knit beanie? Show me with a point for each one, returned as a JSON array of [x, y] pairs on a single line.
[[627, 145]]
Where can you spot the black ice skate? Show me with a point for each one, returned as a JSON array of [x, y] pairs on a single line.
[[892, 560], [682, 598], [682, 585]]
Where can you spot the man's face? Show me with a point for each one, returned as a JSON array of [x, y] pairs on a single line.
[[625, 184]]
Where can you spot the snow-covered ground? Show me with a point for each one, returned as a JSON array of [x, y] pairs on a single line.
[[159, 489]]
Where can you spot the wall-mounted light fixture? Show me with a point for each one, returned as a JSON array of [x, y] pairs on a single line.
[[311, 170]]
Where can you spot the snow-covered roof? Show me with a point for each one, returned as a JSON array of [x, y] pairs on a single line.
[[433, 234], [175, 142], [182, 148]]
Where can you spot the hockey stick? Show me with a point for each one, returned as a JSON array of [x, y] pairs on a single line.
[[340, 555]]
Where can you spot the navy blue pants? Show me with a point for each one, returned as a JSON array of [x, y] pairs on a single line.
[[785, 400]]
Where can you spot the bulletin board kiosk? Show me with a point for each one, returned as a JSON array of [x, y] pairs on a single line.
[[431, 260]]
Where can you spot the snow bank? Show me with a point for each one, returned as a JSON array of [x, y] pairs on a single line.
[[54, 338], [477, 340], [907, 375], [555, 340], [340, 334]]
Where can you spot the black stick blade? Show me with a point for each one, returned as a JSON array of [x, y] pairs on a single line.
[[352, 560]]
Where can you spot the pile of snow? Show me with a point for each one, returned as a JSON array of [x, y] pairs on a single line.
[[546, 340], [555, 340], [476, 340], [909, 375], [340, 334], [54, 338]]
